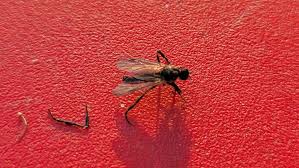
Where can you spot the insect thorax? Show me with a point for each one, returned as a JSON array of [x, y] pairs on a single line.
[[169, 74]]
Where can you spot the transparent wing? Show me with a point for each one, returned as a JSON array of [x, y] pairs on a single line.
[[127, 88], [139, 66], [148, 77]]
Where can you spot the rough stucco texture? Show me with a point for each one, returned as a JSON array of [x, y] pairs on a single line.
[[241, 106]]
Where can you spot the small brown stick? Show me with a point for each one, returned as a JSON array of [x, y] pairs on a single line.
[[25, 123], [67, 122]]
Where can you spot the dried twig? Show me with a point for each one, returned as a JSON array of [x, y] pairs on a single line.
[[25, 123]]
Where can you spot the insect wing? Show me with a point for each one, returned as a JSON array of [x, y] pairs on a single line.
[[127, 88], [139, 66]]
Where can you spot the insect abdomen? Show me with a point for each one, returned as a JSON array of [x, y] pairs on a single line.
[[129, 79]]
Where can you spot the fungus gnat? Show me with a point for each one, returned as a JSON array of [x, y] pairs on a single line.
[[147, 75], [67, 122]]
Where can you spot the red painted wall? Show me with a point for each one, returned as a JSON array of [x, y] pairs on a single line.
[[242, 98]]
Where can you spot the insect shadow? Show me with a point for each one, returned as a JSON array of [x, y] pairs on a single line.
[[170, 147]]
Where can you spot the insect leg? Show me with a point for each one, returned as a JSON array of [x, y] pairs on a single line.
[[158, 58], [135, 103], [86, 125], [159, 52], [177, 89]]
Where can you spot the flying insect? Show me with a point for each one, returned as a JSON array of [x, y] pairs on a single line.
[[146, 75]]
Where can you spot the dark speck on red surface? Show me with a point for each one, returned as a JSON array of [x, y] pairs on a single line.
[[241, 105]]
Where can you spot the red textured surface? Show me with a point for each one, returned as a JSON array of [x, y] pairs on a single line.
[[242, 98]]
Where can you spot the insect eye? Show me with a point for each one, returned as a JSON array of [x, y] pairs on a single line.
[[184, 74]]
